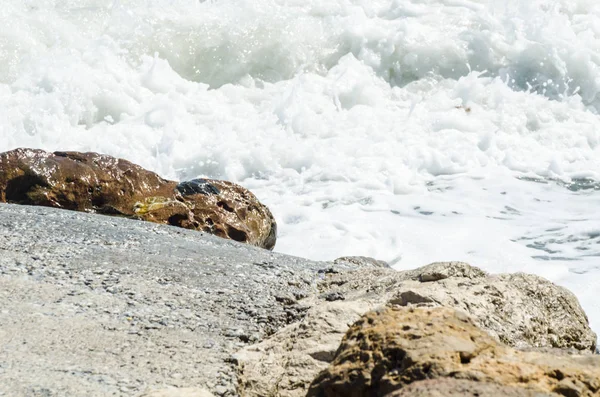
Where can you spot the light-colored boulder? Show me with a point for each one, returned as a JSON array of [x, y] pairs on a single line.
[[286, 363], [524, 311], [521, 310]]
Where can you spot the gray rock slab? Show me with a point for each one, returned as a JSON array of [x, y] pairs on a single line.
[[100, 306]]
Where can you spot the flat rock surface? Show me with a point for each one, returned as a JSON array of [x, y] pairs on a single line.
[[103, 306]]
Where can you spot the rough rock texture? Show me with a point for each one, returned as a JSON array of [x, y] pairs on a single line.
[[107, 306], [521, 310], [179, 392], [96, 306], [524, 311], [391, 348], [450, 387], [286, 363], [93, 182], [362, 260]]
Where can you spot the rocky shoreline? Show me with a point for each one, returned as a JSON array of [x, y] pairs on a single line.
[[99, 306]]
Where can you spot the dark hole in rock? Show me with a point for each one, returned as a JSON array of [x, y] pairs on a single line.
[[17, 188], [98, 202], [236, 234], [465, 358], [224, 205], [196, 186], [177, 219], [557, 374], [109, 210]]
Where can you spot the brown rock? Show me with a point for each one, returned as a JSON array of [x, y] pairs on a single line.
[[87, 182], [93, 182], [389, 349], [232, 212], [450, 387]]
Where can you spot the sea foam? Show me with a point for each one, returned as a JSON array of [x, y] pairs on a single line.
[[411, 131]]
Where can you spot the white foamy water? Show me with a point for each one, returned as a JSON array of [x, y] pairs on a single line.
[[410, 131]]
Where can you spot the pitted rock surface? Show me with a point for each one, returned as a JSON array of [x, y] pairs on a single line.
[[389, 349], [521, 310], [450, 387], [524, 311], [93, 182]]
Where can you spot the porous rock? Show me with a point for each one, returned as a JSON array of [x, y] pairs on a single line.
[[389, 349], [450, 387], [93, 182], [521, 310], [524, 311]]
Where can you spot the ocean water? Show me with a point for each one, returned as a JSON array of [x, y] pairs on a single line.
[[410, 131]]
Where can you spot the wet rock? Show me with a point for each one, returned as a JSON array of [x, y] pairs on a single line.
[[197, 186], [234, 213], [87, 182], [93, 182], [389, 349]]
